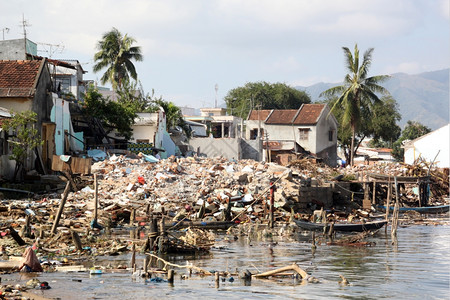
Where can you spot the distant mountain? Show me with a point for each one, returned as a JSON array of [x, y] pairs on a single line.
[[423, 97]]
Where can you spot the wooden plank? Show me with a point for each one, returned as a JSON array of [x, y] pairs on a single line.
[[76, 165]]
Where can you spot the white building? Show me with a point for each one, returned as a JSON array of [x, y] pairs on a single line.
[[430, 147], [218, 122]]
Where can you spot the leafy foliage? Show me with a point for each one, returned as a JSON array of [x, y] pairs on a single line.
[[263, 95], [380, 123], [119, 115], [383, 127], [413, 130], [174, 117], [358, 94], [25, 137], [116, 54]]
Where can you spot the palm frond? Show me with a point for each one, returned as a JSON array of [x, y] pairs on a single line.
[[367, 61], [349, 60], [332, 91]]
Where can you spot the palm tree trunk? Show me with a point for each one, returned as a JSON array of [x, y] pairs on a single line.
[[352, 149]]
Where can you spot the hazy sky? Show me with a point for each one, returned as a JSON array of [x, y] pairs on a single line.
[[189, 46]]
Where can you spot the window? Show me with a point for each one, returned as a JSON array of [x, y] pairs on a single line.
[[330, 135], [304, 132], [142, 141], [63, 83], [254, 133]]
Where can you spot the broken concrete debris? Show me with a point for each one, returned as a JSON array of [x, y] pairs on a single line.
[[143, 203]]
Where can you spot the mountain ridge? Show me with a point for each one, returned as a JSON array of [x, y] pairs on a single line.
[[422, 97]]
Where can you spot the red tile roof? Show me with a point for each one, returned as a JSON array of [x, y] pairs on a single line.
[[309, 114], [281, 116], [18, 77], [259, 114]]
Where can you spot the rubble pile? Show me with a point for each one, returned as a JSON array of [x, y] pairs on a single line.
[[135, 194]]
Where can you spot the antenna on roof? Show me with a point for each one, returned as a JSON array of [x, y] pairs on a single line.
[[52, 48], [5, 29], [216, 87], [24, 25]]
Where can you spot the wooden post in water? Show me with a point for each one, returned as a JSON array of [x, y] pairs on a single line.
[[395, 214], [271, 220], [153, 234], [217, 278], [388, 202], [95, 198], [324, 221], [331, 230], [133, 256], [146, 264], [61, 207], [374, 193], [170, 276]]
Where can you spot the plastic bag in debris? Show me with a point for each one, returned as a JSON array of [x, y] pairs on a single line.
[[96, 154], [87, 189], [229, 169], [150, 158]]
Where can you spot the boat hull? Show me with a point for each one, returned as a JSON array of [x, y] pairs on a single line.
[[360, 227], [422, 210]]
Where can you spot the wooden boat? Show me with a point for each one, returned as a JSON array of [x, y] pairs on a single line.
[[358, 227], [423, 210], [200, 224]]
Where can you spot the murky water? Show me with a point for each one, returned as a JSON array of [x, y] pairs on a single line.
[[418, 268]]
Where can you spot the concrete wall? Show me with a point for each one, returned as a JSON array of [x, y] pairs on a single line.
[[323, 126], [252, 124], [250, 149], [329, 155], [15, 49], [280, 132], [429, 146], [322, 196], [228, 148], [17, 104], [144, 132]]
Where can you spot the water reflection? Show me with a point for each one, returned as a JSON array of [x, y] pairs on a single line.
[[417, 268]]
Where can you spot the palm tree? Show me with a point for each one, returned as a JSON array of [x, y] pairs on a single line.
[[358, 91], [116, 53]]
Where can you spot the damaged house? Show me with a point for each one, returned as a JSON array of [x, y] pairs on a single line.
[[28, 85], [288, 132]]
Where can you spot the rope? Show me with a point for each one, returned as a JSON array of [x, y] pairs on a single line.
[[362, 193]]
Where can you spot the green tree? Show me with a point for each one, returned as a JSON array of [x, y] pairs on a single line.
[[263, 95], [116, 52], [357, 93], [118, 115], [174, 117], [25, 138], [380, 123], [412, 130], [383, 126]]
